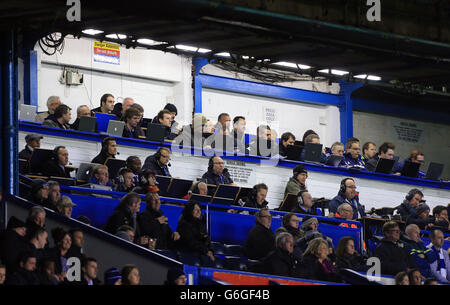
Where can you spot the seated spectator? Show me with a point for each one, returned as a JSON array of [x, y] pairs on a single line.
[[2, 274], [281, 261], [46, 273], [165, 118], [60, 119], [416, 156], [100, 176], [135, 164], [39, 191], [159, 162], [393, 255], [192, 230], [125, 181], [263, 144], [440, 215], [307, 133], [89, 270], [222, 140], [131, 130], [65, 205], [217, 173], [305, 203], [33, 141], [59, 253], [13, 244], [26, 275], [260, 240], [316, 265], [310, 227], [408, 206], [239, 125], [146, 183], [297, 182], [56, 166], [35, 220], [192, 134], [125, 214], [402, 278], [415, 278], [347, 257], [52, 103], [423, 256], [106, 105], [172, 110], [76, 249], [36, 244], [198, 187], [126, 233], [257, 199], [54, 194], [430, 281], [422, 217], [337, 149], [153, 223], [344, 211], [120, 108], [286, 139], [130, 275], [82, 110], [385, 151], [109, 150], [369, 150], [315, 139], [175, 276], [347, 194], [290, 224], [352, 158], [440, 269]]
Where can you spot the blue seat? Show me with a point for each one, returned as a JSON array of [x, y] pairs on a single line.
[[192, 259], [218, 247], [235, 263], [205, 261], [234, 250]]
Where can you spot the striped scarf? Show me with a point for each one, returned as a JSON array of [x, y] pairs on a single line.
[[441, 265]]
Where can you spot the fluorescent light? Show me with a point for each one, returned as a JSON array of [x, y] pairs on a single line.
[[192, 49], [292, 65], [339, 72], [223, 54], [245, 57], [146, 41], [370, 77], [324, 71], [91, 32], [116, 36]]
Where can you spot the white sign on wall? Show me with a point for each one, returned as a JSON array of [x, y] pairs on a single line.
[[270, 115], [408, 131], [240, 172]]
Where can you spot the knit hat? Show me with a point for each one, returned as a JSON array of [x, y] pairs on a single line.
[[422, 208], [37, 184], [15, 222], [32, 136], [171, 108], [173, 274], [111, 276], [299, 169], [308, 220]]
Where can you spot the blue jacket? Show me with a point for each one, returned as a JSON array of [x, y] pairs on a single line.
[[417, 248], [340, 199], [95, 181], [349, 161]]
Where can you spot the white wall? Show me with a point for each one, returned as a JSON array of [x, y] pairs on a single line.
[[290, 116], [152, 78], [434, 140]]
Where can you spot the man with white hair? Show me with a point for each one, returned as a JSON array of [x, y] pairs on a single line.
[[82, 110], [120, 108], [281, 261], [52, 103]]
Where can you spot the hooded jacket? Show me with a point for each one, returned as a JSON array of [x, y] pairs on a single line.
[[394, 257], [260, 241], [152, 163]]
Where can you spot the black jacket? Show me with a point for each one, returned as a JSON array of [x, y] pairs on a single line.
[[136, 132], [122, 216], [420, 222], [280, 262], [210, 177], [260, 241], [250, 202], [25, 153], [405, 210], [51, 121], [354, 262], [193, 236], [52, 168], [152, 163], [394, 257], [12, 246], [24, 278], [310, 268], [101, 158], [150, 226]]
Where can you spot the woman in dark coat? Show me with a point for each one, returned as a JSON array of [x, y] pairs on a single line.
[[59, 254], [154, 224], [347, 257], [192, 229], [290, 225]]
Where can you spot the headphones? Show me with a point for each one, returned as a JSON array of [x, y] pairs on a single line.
[[300, 197], [411, 194], [105, 144], [55, 152], [121, 178], [211, 163], [158, 153], [343, 187]]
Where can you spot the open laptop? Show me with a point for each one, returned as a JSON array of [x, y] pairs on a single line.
[[115, 128], [103, 121], [88, 124], [156, 132], [114, 165], [39, 157], [313, 152], [434, 171], [85, 171], [410, 169], [334, 160], [384, 166], [27, 112], [146, 122], [289, 203], [293, 152]]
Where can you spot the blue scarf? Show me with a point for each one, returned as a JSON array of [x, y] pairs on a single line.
[[441, 264]]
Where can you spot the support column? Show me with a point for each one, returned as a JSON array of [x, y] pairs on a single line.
[[30, 85], [198, 63], [346, 109]]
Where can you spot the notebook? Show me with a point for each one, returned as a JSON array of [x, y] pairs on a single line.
[[115, 128], [313, 152], [434, 171], [27, 112], [88, 124], [156, 132], [384, 165]]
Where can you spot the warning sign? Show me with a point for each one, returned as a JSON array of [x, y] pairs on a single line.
[[408, 131], [106, 52], [240, 172]]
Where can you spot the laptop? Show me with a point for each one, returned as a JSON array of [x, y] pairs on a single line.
[[39, 157], [115, 128], [103, 121], [114, 165], [293, 152], [27, 112], [289, 203], [384, 166], [410, 169], [334, 160], [434, 171], [88, 124], [179, 187], [201, 198], [156, 132], [313, 152], [85, 171], [145, 122]]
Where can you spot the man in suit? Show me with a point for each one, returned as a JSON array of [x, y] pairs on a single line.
[[56, 166]]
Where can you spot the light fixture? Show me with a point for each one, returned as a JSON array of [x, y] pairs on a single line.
[[291, 65], [369, 77], [116, 36], [223, 54], [339, 72], [191, 49], [91, 32]]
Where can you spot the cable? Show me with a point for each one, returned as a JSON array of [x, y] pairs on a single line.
[[51, 43]]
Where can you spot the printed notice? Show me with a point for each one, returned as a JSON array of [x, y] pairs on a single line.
[[240, 172], [408, 131], [270, 115], [106, 52]]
